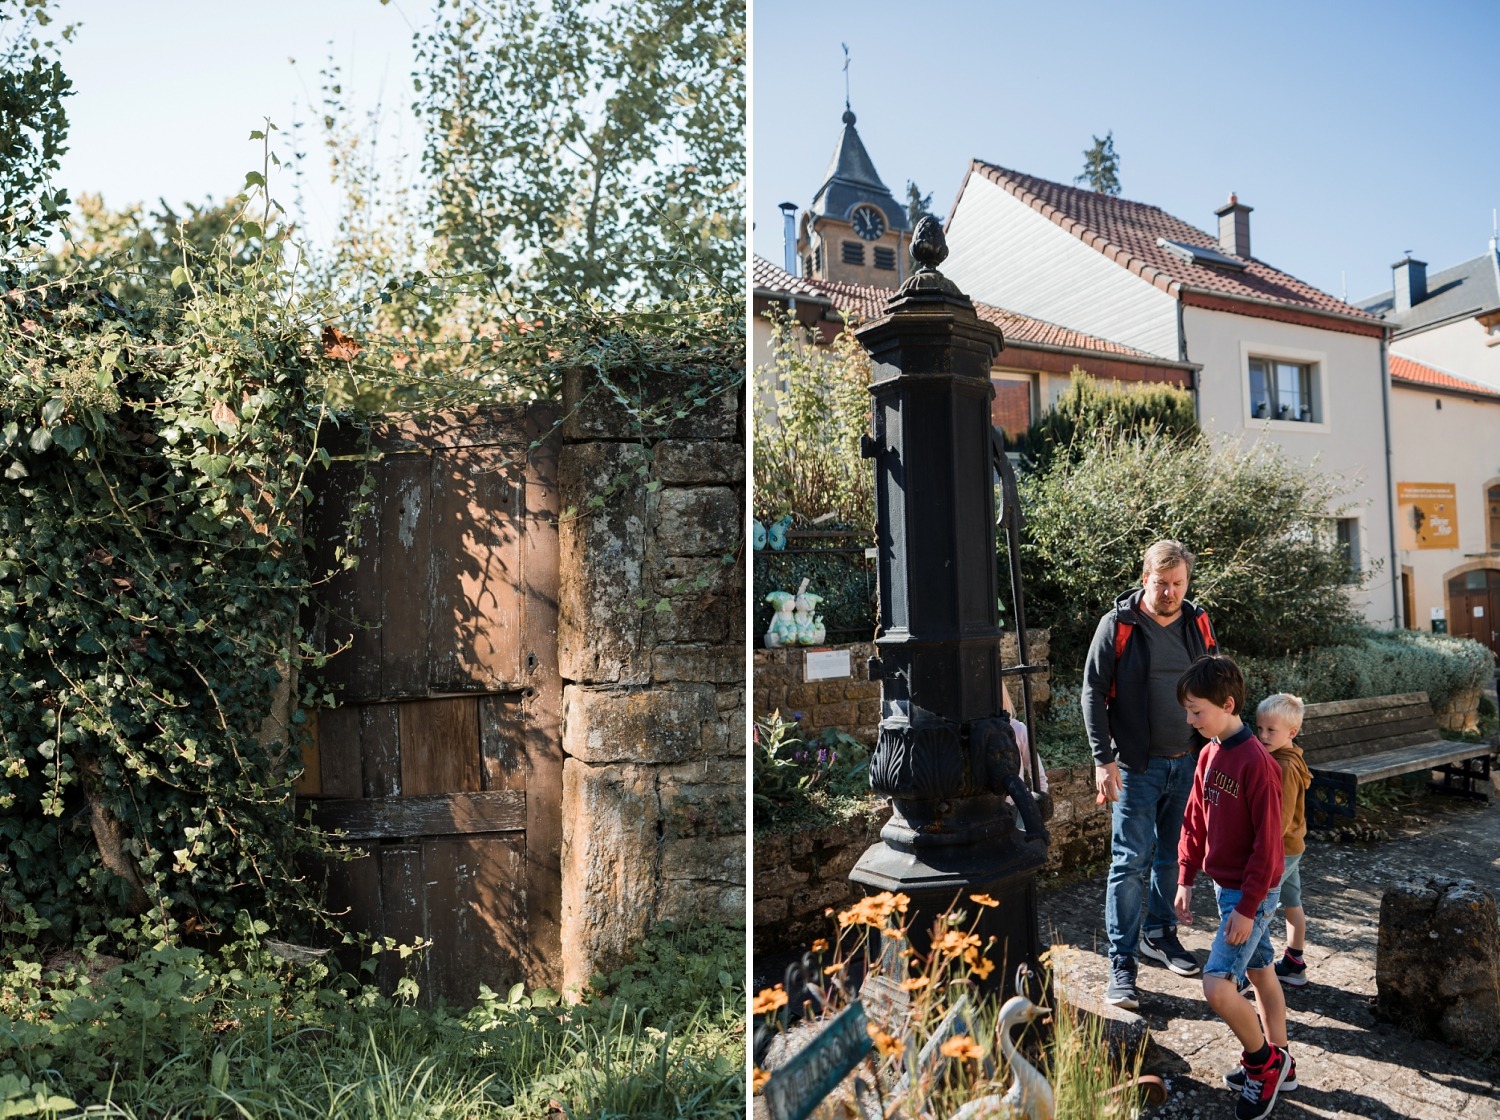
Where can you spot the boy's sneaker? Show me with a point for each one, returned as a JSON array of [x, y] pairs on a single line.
[[1262, 1084], [1121, 990], [1235, 1078], [1245, 988], [1291, 970], [1165, 949]]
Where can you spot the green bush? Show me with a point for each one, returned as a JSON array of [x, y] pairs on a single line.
[[807, 782], [1089, 406], [1377, 663], [1269, 569]]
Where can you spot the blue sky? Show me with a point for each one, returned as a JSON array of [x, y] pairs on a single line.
[[167, 91], [1357, 131]]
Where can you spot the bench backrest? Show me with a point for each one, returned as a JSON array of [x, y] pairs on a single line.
[[1348, 728]]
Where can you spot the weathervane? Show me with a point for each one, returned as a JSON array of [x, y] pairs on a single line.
[[846, 75]]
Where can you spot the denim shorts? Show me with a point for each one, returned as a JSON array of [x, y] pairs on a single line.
[[1231, 961], [1291, 881]]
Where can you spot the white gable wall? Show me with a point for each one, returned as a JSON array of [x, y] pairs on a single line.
[[1464, 348], [1349, 440], [1002, 252]]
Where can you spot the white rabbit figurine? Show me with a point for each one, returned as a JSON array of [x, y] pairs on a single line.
[[783, 629], [803, 609]]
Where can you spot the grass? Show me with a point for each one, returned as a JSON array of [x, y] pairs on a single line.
[[179, 1033]]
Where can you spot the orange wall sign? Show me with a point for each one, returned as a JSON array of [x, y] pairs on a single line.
[[1428, 514]]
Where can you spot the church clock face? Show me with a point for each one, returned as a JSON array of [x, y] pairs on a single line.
[[868, 222]]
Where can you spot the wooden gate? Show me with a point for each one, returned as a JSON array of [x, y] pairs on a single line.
[[1474, 607], [441, 761]]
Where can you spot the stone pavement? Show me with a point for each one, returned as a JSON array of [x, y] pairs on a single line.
[[1348, 1063]]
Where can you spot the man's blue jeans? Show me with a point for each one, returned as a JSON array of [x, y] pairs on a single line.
[[1146, 822]]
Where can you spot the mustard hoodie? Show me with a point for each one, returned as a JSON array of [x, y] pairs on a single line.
[[1295, 778]]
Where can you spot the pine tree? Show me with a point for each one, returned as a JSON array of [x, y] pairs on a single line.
[[918, 205], [1101, 167]]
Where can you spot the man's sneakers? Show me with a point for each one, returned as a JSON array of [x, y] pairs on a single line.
[[1235, 1078], [1262, 1084], [1291, 969], [1121, 990], [1165, 949]]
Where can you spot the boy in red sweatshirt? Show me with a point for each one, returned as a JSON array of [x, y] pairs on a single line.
[[1232, 832]]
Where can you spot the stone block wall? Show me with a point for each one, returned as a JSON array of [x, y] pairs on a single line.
[[651, 653]]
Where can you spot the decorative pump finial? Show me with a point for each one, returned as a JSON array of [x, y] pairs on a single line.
[[929, 248]]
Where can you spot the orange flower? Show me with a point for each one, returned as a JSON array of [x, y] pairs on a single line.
[[759, 1079], [953, 942], [768, 1000], [981, 967], [960, 1046], [889, 1045], [820, 945], [829, 970], [873, 910], [983, 900], [915, 982]]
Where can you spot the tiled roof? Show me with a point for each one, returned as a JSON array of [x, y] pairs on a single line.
[[867, 302], [1415, 373], [1470, 288], [771, 280], [1127, 233]]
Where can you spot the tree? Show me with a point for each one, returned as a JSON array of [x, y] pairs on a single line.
[[575, 146], [33, 122], [918, 205], [1101, 166]]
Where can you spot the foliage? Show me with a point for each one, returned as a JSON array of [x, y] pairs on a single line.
[[1269, 569], [949, 1014], [918, 205], [576, 147], [812, 406], [33, 122], [806, 781], [1089, 407], [151, 577], [1374, 663], [841, 575], [1101, 166], [243, 1032]]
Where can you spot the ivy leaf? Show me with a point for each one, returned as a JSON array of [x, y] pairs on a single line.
[[14, 636], [52, 410], [254, 179], [180, 276], [41, 439]]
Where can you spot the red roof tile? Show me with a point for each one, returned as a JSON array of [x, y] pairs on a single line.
[[1127, 233], [1415, 373], [867, 302]]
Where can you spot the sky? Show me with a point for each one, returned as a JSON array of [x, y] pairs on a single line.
[[1356, 131], [167, 92]]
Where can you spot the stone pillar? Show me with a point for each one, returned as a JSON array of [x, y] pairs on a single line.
[[651, 652]]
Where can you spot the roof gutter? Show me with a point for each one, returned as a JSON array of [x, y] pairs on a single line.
[[1363, 319], [1080, 352]]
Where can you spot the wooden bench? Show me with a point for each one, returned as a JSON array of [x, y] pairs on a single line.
[[1350, 742]]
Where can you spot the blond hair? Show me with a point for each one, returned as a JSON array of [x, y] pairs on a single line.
[[1285, 705], [1166, 554]]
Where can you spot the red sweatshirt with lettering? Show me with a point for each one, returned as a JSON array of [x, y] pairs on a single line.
[[1232, 828]]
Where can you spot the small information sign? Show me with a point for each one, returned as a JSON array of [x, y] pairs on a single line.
[[827, 664], [795, 1089]]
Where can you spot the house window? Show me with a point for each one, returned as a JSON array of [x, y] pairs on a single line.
[[885, 258], [1494, 520], [1283, 391], [854, 252], [1346, 531]]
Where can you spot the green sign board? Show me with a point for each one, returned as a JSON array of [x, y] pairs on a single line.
[[795, 1089]]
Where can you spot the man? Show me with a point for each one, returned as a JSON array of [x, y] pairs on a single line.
[[1144, 755]]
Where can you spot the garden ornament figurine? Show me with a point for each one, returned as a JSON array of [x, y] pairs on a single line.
[[819, 631], [776, 533], [806, 602], [783, 629], [758, 535], [1029, 1096]]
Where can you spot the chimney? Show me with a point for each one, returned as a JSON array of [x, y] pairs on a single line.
[[789, 236], [1234, 227], [1410, 282]]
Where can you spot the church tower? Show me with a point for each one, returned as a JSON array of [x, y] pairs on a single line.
[[854, 232]]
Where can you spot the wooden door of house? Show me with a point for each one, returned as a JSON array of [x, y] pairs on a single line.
[[1474, 607], [441, 760]]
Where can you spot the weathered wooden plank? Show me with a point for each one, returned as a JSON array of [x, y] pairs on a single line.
[[380, 749], [310, 782], [440, 745], [492, 425], [1358, 735], [338, 748], [1319, 756], [354, 890], [475, 636], [502, 740], [400, 818], [476, 906], [403, 916], [544, 760], [1362, 703], [406, 569], [1367, 722], [331, 620], [1407, 760]]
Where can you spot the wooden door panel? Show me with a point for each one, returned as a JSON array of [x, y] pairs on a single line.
[[476, 913], [439, 746], [406, 575], [502, 741]]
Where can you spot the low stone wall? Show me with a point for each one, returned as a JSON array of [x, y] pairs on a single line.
[[799, 876]]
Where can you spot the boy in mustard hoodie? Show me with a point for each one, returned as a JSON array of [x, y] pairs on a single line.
[[1278, 721]]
